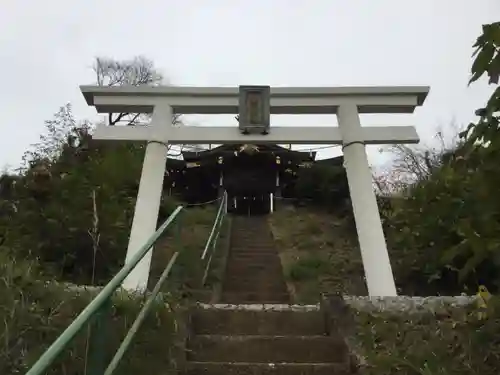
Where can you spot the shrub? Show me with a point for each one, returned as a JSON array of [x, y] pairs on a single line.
[[322, 185], [444, 234], [452, 341], [74, 214], [34, 312]]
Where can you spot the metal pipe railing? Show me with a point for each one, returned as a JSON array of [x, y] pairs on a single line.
[[101, 301], [214, 227], [122, 349], [49, 356], [214, 235]]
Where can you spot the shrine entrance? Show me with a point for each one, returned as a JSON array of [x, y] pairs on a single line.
[[252, 205], [253, 175], [254, 106]]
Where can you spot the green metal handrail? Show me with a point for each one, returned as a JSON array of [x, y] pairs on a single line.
[[214, 236], [94, 307], [140, 318], [103, 298]]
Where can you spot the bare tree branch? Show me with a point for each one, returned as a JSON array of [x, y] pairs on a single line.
[[135, 72], [411, 164]]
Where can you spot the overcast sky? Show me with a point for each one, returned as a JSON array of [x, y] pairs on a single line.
[[47, 49]]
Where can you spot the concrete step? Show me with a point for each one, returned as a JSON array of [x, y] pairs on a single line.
[[255, 322], [251, 272], [254, 273], [246, 254], [248, 280], [269, 286], [227, 368], [274, 289], [265, 349], [251, 279], [251, 241], [258, 256], [255, 225], [265, 233], [253, 297], [244, 297], [255, 262], [247, 229], [247, 246], [253, 252], [246, 233], [251, 266], [256, 238], [252, 276], [252, 228]]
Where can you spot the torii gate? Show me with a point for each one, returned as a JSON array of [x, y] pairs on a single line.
[[346, 102]]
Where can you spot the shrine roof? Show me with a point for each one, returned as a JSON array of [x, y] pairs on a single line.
[[262, 148]]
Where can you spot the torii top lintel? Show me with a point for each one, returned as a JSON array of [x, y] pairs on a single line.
[[284, 100]]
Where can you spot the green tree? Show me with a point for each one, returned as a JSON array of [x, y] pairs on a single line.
[[323, 185], [72, 203], [55, 203], [487, 61], [444, 233]]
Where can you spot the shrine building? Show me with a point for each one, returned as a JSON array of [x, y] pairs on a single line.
[[255, 176]]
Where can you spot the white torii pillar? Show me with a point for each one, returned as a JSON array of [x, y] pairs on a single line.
[[346, 102], [148, 201], [378, 271]]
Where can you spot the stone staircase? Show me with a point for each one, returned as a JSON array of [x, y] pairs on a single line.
[[253, 272], [278, 340], [255, 330]]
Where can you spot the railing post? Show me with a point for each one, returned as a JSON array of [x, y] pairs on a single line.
[[177, 234], [97, 356]]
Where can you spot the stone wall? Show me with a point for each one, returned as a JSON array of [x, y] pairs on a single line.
[[407, 304]]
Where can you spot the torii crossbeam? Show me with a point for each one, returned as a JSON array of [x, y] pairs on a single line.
[[346, 102]]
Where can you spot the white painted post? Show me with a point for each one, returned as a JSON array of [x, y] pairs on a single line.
[[379, 277], [148, 201], [271, 203]]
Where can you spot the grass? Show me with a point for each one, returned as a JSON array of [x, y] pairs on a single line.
[[318, 252], [33, 313], [452, 342], [189, 237], [317, 255]]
